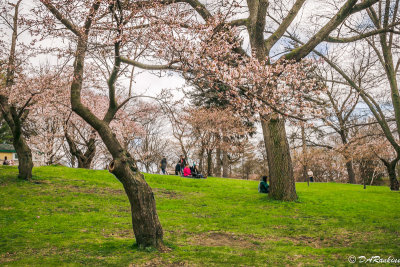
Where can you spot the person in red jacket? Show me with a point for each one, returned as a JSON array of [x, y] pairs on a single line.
[[187, 172]]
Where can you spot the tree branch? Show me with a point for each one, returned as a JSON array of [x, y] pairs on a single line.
[[343, 13], [135, 63], [271, 41], [72, 27]]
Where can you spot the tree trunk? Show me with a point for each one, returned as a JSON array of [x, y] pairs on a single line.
[[282, 185], [350, 172], [201, 157], [84, 159], [304, 155], [12, 116], [279, 161], [391, 168], [25, 163], [209, 162], [218, 166], [225, 164], [145, 223]]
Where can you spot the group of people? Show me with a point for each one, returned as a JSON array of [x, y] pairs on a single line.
[[7, 162], [182, 168]]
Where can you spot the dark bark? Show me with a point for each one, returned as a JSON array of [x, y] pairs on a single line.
[[218, 162], [225, 164], [350, 172], [282, 185], [25, 163], [145, 222], [14, 117], [84, 159], [146, 226], [209, 162], [201, 156], [304, 153], [391, 169]]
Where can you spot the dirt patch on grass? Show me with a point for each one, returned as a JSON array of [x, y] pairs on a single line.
[[161, 262], [8, 257], [220, 239], [164, 193], [120, 234], [306, 241], [91, 190], [341, 239]]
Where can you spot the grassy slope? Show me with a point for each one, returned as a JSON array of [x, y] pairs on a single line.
[[74, 216]]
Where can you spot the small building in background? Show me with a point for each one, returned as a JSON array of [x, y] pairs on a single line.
[[7, 150]]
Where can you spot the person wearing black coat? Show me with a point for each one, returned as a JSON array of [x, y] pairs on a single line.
[[163, 165]]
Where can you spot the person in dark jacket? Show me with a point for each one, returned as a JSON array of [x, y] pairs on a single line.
[[163, 165], [178, 169], [263, 187], [195, 172], [6, 162], [182, 163]]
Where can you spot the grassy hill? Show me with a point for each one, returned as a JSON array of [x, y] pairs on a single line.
[[82, 217]]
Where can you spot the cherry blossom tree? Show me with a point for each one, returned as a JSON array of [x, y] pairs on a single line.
[[14, 114], [275, 88]]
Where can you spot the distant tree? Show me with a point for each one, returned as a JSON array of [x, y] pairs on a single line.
[[379, 32]]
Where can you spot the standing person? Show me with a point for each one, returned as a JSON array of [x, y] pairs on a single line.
[[163, 165], [182, 162], [6, 162], [310, 175], [263, 187], [178, 169]]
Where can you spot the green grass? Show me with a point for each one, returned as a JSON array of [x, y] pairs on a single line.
[[82, 217]]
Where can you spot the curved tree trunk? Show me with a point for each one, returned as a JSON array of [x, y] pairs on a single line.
[[282, 184], [145, 223], [13, 117], [391, 169], [25, 163]]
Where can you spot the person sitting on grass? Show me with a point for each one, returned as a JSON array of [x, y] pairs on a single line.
[[6, 162], [187, 172], [195, 172], [263, 187]]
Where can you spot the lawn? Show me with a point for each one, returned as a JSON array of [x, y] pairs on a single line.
[[82, 217]]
